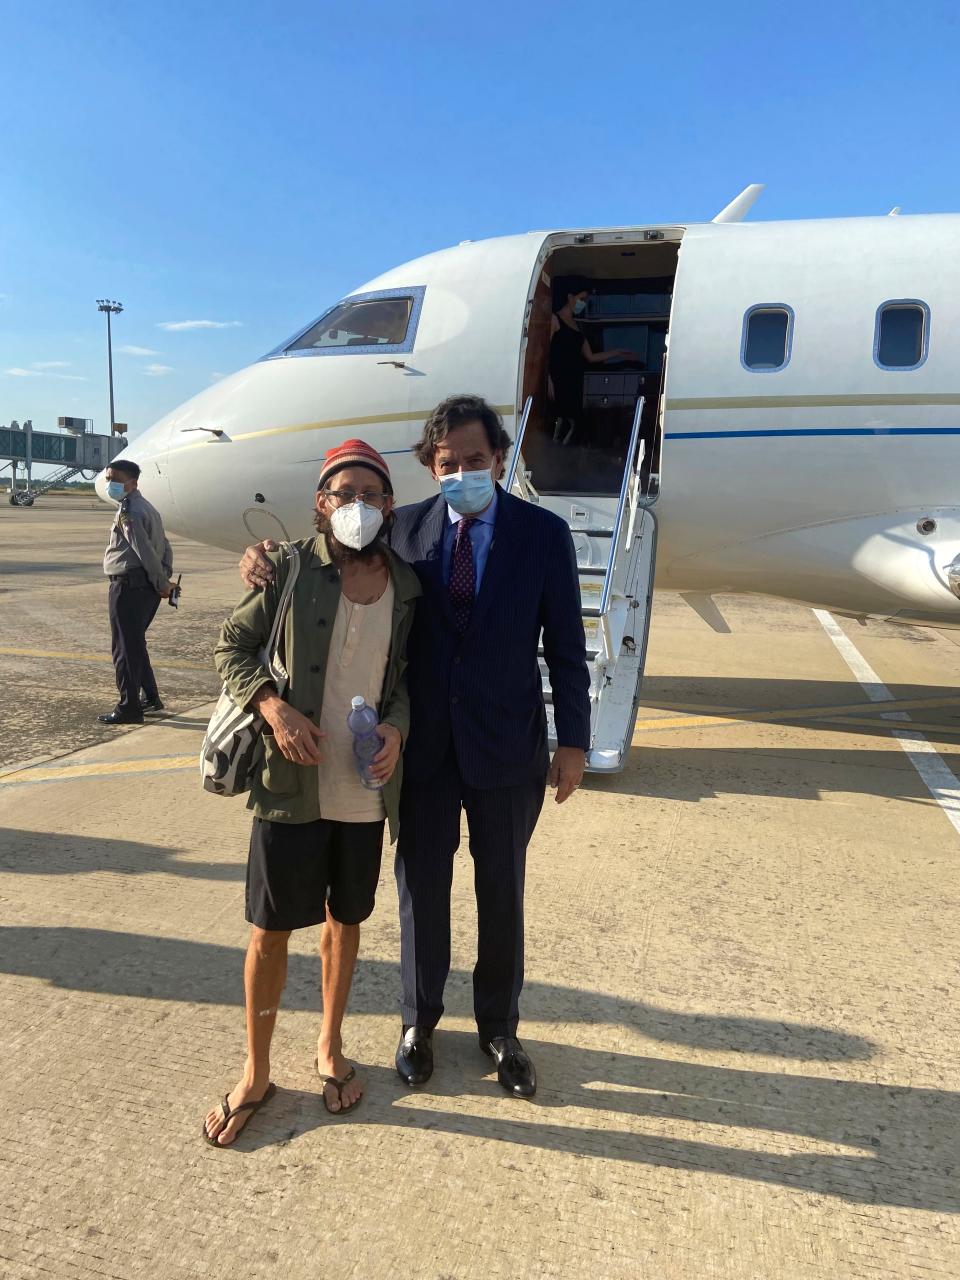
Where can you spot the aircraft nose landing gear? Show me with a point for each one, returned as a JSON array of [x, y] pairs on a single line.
[[953, 576]]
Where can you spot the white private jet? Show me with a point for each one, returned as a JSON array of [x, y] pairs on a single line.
[[788, 424]]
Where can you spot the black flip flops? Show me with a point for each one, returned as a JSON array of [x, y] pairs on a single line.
[[339, 1086], [229, 1112]]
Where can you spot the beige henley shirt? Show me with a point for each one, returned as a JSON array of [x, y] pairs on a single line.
[[357, 662]]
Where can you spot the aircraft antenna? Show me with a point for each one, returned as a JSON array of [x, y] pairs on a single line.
[[894, 212], [738, 209]]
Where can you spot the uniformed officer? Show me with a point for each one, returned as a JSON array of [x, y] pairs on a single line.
[[138, 561]]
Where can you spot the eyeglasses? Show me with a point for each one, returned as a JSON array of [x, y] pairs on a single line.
[[343, 497]]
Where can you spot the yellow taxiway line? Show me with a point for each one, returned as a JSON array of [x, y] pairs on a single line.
[[98, 769], [69, 656], [830, 715], [729, 716]]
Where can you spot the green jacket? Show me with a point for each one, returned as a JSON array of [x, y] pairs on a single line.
[[284, 791]]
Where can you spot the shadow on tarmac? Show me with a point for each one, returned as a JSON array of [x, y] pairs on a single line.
[[703, 772], [145, 966], [780, 700], [900, 1142], [903, 1140], [84, 574], [174, 720], [66, 854]]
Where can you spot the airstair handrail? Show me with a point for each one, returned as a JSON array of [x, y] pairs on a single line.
[[60, 476], [518, 442], [621, 509]]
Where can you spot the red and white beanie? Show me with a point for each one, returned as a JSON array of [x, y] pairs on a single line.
[[354, 453]]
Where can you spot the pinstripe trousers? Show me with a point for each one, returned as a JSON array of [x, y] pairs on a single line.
[[500, 822]]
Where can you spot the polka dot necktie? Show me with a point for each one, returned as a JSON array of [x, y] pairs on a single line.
[[463, 578]]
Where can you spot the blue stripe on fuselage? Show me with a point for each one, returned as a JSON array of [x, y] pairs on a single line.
[[814, 431]]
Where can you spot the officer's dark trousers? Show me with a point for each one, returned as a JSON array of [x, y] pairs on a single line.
[[133, 606], [500, 822]]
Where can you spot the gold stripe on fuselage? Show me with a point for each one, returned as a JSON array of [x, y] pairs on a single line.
[[368, 420]]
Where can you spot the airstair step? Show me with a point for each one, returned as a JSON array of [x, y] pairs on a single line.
[[593, 533], [592, 651], [548, 696], [591, 570], [590, 611]]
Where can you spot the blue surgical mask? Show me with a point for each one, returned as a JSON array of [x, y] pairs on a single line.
[[579, 307], [115, 490], [468, 492]]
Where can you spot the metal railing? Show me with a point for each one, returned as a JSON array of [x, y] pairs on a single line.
[[25, 497], [631, 480], [51, 482], [516, 459], [629, 499]]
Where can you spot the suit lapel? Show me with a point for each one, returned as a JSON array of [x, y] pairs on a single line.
[[430, 534], [430, 555]]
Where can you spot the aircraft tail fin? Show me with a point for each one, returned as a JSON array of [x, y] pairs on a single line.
[[738, 209]]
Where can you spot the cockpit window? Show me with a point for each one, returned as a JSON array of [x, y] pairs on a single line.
[[364, 323], [360, 324]]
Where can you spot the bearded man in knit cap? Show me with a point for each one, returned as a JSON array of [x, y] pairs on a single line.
[[318, 830]]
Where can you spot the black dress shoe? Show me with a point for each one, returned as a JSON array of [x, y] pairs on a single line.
[[415, 1055], [515, 1071], [151, 704], [114, 717]]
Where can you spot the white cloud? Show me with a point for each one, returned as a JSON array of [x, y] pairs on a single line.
[[176, 326], [128, 350], [43, 370], [216, 376], [157, 370], [50, 364]]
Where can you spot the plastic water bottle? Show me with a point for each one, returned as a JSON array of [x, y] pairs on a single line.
[[362, 723]]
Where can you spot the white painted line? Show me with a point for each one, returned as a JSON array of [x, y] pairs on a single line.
[[936, 774]]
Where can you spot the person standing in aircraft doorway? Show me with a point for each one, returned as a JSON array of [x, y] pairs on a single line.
[[317, 835], [494, 572], [570, 353]]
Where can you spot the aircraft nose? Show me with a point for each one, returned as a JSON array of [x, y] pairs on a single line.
[[149, 452]]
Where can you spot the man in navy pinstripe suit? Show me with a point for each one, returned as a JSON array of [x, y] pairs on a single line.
[[495, 571]]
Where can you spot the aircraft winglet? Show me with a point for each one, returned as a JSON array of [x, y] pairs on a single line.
[[738, 209]]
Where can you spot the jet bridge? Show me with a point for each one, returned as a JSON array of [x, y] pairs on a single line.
[[73, 453], [615, 539]]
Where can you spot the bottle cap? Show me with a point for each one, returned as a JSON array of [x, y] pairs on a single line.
[[357, 702]]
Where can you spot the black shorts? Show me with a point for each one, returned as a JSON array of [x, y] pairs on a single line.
[[295, 870]]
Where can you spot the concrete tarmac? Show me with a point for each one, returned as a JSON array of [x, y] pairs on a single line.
[[741, 979]]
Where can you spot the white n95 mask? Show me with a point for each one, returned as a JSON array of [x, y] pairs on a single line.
[[356, 525]]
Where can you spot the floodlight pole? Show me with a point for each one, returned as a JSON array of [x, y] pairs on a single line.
[[110, 308]]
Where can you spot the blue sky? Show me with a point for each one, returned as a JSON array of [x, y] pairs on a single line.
[[222, 163]]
